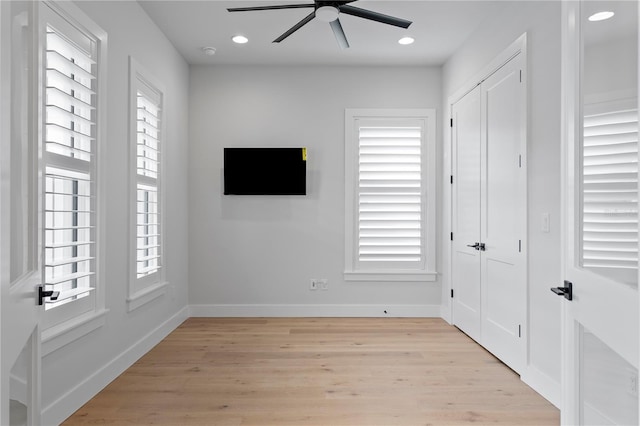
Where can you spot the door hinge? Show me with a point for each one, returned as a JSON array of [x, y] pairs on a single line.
[[451, 122], [519, 330], [452, 179], [452, 236], [520, 76], [520, 161], [519, 246], [452, 293]]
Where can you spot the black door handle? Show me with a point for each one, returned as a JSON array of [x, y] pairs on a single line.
[[42, 293], [566, 291], [477, 246]]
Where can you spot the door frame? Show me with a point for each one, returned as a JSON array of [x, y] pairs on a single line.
[[519, 46]]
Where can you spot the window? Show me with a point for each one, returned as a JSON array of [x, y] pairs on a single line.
[[610, 186], [70, 137], [390, 195], [146, 151]]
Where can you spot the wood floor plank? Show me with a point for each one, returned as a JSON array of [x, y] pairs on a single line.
[[317, 371]]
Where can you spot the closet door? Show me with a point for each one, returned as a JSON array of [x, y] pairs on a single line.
[[466, 214], [503, 214], [489, 193]]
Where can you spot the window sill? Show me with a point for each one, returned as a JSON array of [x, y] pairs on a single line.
[[146, 295], [400, 276], [61, 335]]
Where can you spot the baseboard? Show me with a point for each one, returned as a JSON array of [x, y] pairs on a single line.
[[259, 310], [543, 384], [68, 403], [445, 313]]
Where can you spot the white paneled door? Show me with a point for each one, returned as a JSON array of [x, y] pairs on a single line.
[[466, 137], [20, 259], [600, 214], [489, 213], [503, 214]]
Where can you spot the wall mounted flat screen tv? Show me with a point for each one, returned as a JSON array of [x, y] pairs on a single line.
[[265, 171]]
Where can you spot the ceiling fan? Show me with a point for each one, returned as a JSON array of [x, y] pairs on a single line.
[[328, 11]]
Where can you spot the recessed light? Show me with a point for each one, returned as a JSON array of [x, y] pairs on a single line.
[[209, 51], [601, 16], [240, 39], [406, 40]]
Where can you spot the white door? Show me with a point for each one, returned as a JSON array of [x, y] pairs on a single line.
[[489, 213], [20, 250], [600, 214], [466, 214], [503, 213]]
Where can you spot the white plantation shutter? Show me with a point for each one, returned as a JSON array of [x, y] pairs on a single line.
[[390, 213], [69, 142], [390, 186], [610, 220], [148, 226]]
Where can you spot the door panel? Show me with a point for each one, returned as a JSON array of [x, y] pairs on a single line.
[[607, 385], [600, 214], [19, 221], [503, 214], [466, 214]]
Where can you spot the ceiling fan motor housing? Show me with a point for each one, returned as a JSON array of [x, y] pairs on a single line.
[[327, 13]]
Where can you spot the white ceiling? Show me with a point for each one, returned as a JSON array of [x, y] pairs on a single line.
[[623, 25], [439, 28]]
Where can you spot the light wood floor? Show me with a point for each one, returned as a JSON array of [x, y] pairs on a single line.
[[313, 371]]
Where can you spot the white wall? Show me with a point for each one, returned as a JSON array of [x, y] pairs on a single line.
[[612, 69], [255, 255], [72, 374], [541, 22]]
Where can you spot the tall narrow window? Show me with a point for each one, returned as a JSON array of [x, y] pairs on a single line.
[[146, 141], [389, 229], [148, 161], [70, 142]]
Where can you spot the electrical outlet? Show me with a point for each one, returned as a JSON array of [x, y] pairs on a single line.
[[313, 285], [323, 284]]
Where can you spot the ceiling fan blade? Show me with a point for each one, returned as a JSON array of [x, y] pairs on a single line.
[[282, 6], [296, 27], [341, 38], [374, 16]]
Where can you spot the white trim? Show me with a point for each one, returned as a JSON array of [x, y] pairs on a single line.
[[69, 331], [390, 276], [69, 402], [519, 46], [146, 295], [141, 79], [429, 193], [570, 65], [445, 314], [549, 388], [337, 311]]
